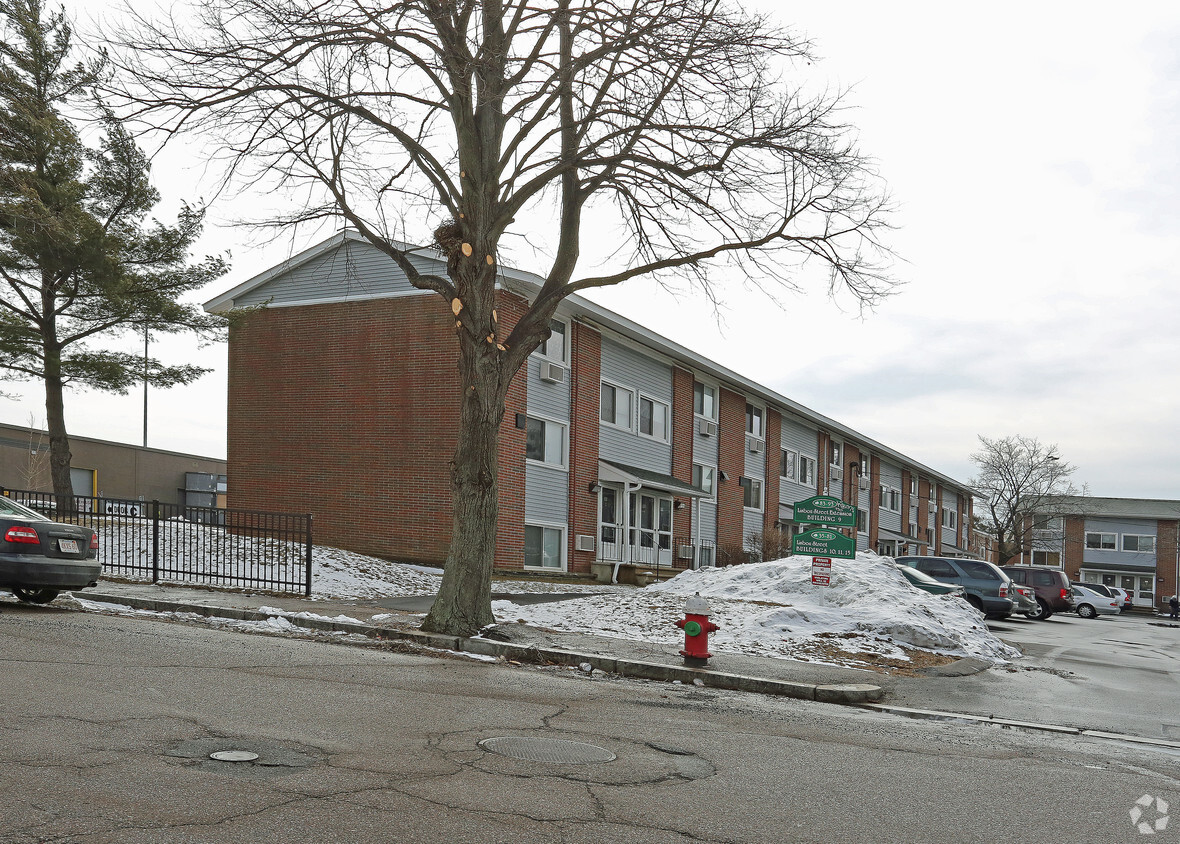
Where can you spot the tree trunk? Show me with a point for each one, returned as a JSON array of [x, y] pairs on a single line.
[[464, 606], [59, 441]]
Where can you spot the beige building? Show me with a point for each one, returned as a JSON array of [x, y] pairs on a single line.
[[112, 470]]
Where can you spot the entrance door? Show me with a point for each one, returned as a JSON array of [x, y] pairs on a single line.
[[651, 529], [610, 524]]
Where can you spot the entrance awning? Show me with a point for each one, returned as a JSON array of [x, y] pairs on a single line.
[[617, 473]]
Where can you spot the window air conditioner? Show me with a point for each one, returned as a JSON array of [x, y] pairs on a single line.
[[553, 373], [706, 428], [863, 483], [684, 552], [756, 446], [836, 473], [584, 542]]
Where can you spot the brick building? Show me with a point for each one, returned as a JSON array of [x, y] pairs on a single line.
[[620, 451], [1125, 542]]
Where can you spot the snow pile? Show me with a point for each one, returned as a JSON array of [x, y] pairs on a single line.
[[772, 609]]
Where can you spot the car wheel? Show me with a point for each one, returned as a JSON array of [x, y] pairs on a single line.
[[1086, 611], [35, 596], [975, 602], [1040, 613]]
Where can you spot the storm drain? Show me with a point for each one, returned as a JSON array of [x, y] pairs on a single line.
[[547, 750]]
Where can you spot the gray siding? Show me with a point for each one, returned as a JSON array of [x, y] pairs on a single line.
[[545, 399], [804, 441], [631, 369], [1116, 558], [546, 494], [354, 270], [891, 519], [707, 521], [751, 524]]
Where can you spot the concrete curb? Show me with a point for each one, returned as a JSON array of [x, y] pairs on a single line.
[[843, 693]]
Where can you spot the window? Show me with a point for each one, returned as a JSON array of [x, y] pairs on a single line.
[[948, 519], [545, 442], [837, 451], [615, 406], [936, 568], [554, 346], [704, 400], [543, 547], [913, 486], [1101, 541], [864, 465], [754, 421], [705, 556], [890, 498], [1047, 558], [788, 465], [978, 570], [862, 521], [704, 478], [1142, 544], [653, 418], [751, 493], [806, 471]]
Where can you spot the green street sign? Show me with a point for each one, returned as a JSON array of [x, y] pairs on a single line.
[[821, 542], [825, 510]]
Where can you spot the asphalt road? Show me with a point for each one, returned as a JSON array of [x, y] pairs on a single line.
[[108, 722], [1119, 673]]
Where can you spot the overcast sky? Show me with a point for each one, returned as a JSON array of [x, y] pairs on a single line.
[[1032, 150]]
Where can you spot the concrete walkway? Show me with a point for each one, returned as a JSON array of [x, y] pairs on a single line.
[[398, 618]]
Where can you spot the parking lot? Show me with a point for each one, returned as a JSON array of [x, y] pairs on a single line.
[[1117, 673]]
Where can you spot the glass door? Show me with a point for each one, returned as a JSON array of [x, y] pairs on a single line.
[[610, 525], [651, 529]]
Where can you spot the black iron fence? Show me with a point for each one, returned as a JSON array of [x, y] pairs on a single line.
[[171, 542]]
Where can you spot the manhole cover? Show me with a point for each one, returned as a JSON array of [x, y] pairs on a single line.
[[233, 756], [547, 749]]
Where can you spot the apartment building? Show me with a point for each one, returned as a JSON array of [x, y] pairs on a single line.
[[621, 451], [1130, 543]]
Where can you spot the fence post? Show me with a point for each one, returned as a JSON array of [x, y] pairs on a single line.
[[155, 541], [307, 585]]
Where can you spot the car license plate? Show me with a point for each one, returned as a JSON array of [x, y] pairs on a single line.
[[68, 546]]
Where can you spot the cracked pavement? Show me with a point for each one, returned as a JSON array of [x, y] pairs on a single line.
[[106, 724]]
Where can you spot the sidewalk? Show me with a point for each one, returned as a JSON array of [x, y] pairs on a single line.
[[375, 617]]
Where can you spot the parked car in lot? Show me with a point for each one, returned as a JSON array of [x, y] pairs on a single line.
[[1091, 603], [1025, 599], [1050, 585], [1121, 595], [986, 586], [927, 583], [40, 557]]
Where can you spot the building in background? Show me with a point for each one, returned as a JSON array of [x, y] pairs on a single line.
[[621, 451], [104, 469], [1125, 542]]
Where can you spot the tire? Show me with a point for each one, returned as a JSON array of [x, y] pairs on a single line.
[[1086, 611], [975, 602], [1041, 613], [42, 595]]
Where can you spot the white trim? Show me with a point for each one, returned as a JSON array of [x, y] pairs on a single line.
[[761, 419], [794, 477], [564, 360], [333, 300], [564, 529], [641, 397], [761, 508], [716, 388], [712, 496]]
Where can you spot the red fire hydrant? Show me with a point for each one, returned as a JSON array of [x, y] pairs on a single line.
[[697, 628]]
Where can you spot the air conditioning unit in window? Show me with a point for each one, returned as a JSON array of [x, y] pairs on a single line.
[[837, 473], [684, 552], [863, 483], [584, 542], [755, 446], [706, 428], [553, 373]]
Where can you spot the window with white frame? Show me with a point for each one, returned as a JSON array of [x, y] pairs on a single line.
[[806, 471], [545, 441], [704, 478], [705, 556], [890, 498], [913, 486], [615, 406], [948, 519], [1139, 542], [653, 418], [704, 400], [751, 493], [862, 521], [754, 421], [555, 345], [543, 547], [1102, 541], [789, 465]]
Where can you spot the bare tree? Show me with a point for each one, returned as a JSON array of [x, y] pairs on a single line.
[[1019, 479], [463, 121]]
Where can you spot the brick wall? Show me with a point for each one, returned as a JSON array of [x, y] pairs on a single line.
[[683, 423], [774, 462], [1165, 561], [510, 526], [348, 411], [1075, 547], [585, 383], [731, 460]]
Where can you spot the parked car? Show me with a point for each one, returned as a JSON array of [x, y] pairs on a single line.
[[1025, 599], [986, 586], [1091, 603], [927, 583], [40, 557], [1126, 597], [1050, 586]]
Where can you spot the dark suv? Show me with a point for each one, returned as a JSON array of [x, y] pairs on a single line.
[[986, 586], [1051, 586]]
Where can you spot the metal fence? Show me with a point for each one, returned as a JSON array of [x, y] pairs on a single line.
[[172, 542]]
